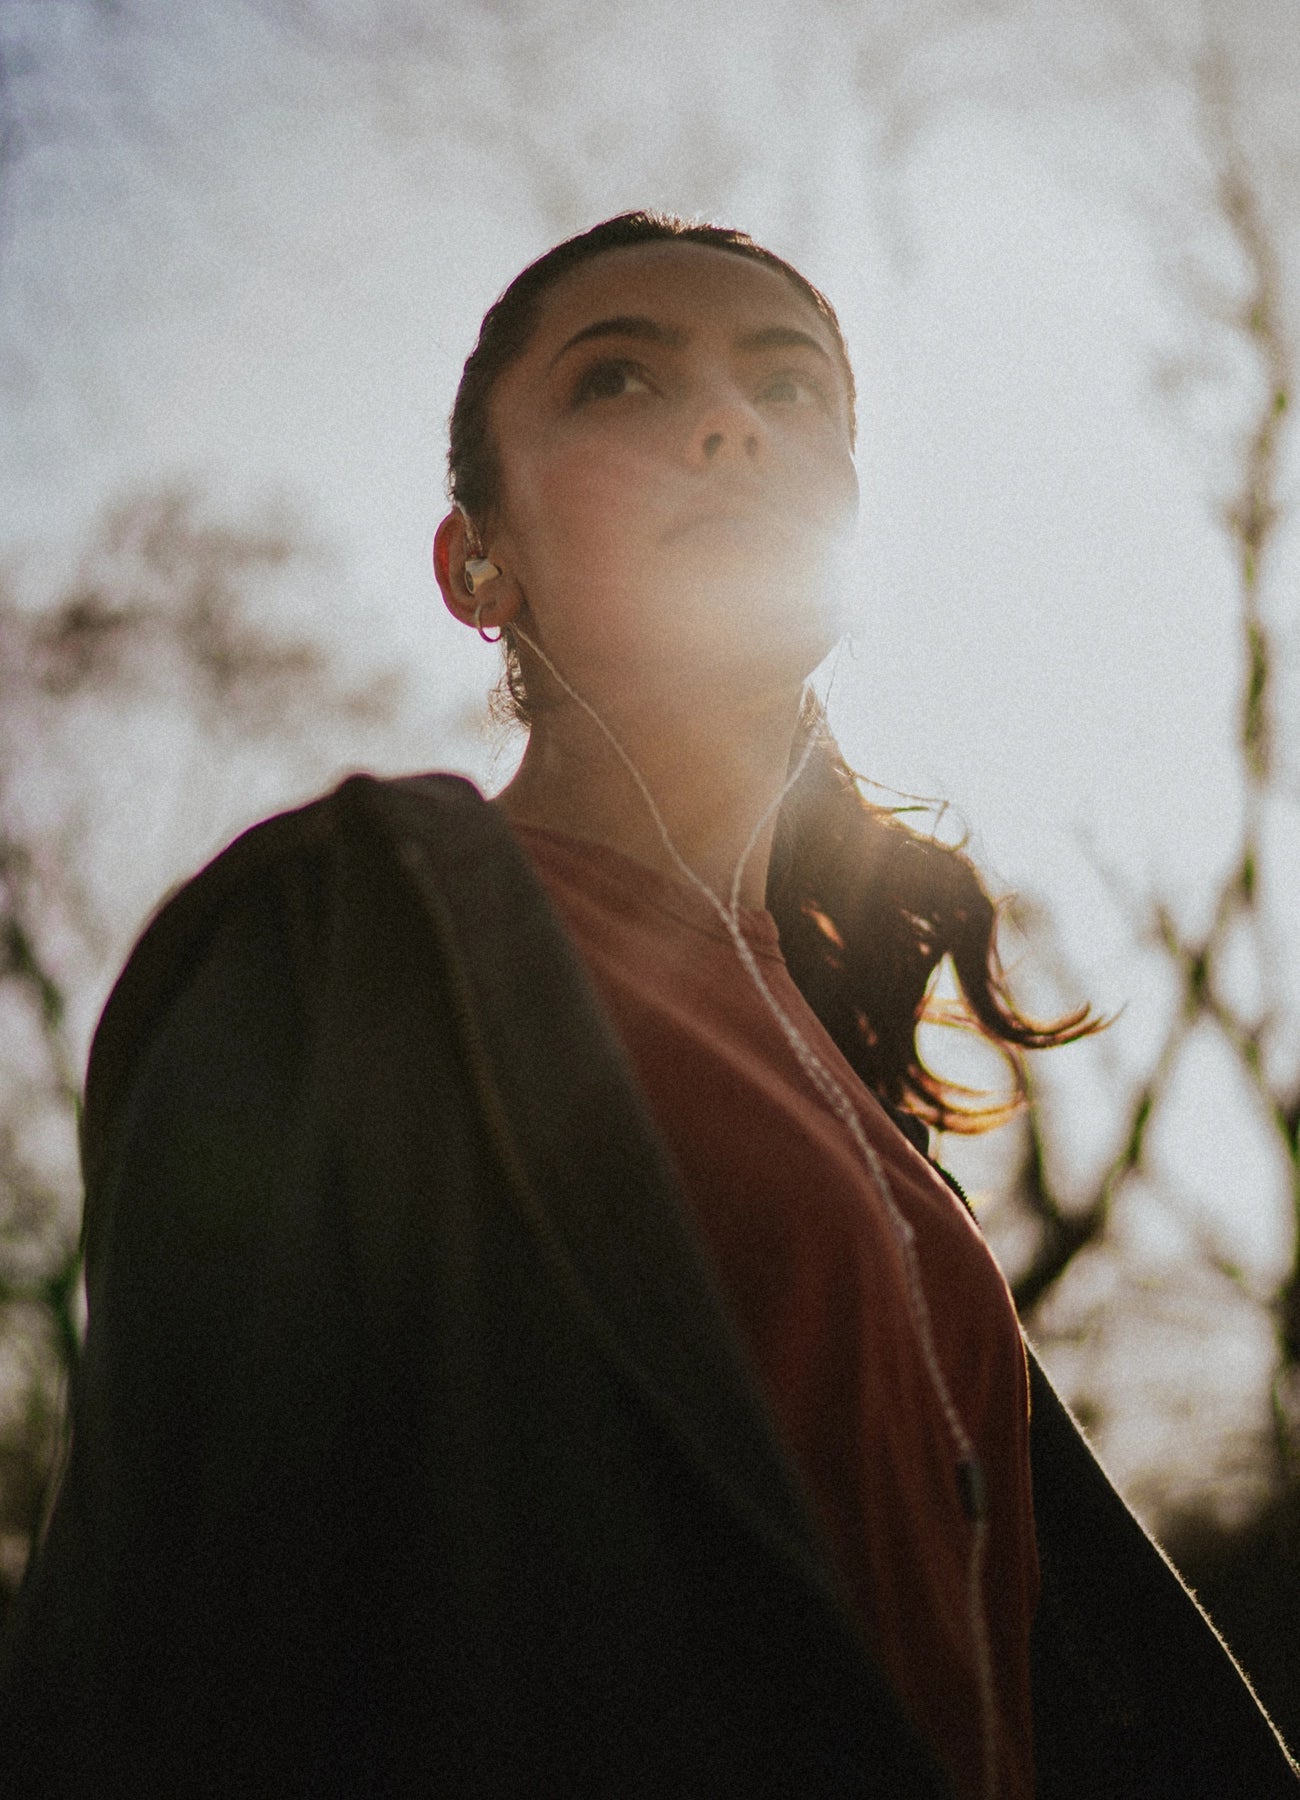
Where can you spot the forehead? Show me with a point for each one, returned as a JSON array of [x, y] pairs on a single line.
[[686, 284]]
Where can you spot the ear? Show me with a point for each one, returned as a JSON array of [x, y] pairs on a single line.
[[495, 604], [450, 548]]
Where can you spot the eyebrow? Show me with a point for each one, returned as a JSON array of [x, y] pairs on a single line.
[[650, 331], [630, 325], [783, 337]]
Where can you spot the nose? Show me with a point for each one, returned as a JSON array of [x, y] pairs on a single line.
[[727, 426], [717, 441]]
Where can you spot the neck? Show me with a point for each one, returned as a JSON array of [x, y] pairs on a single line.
[[712, 769]]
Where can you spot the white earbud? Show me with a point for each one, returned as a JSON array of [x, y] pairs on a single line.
[[478, 572]]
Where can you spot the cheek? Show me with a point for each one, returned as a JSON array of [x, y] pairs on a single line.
[[852, 491], [575, 519], [829, 479]]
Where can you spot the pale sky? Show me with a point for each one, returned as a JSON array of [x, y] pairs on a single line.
[[239, 260]]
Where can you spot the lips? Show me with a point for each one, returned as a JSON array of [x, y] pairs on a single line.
[[740, 510]]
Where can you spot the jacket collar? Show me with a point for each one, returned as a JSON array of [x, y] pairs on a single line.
[[605, 1204]]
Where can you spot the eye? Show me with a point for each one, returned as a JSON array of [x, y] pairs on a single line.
[[792, 387], [610, 379]]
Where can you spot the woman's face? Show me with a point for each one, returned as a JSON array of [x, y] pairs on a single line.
[[677, 481]]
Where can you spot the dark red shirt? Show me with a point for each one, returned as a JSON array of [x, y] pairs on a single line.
[[812, 1270]]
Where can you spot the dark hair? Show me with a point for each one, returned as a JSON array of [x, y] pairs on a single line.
[[867, 907]]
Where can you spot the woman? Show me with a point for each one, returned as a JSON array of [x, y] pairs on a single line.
[[529, 1351]]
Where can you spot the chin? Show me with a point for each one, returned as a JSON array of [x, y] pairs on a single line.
[[776, 636], [773, 556], [792, 602]]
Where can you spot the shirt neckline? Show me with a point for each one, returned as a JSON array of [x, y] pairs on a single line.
[[649, 886]]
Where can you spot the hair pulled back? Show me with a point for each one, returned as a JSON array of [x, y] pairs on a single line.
[[867, 907]]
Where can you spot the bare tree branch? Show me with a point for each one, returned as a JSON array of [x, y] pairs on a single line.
[[155, 609]]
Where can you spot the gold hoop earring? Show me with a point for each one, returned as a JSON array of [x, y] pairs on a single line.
[[478, 625]]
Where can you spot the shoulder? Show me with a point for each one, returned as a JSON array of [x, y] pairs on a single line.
[[271, 897]]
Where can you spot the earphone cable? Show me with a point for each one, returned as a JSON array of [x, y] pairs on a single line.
[[969, 1472]]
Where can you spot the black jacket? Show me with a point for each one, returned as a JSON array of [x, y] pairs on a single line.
[[413, 1453]]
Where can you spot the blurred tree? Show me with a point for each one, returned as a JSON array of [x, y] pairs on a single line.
[[1227, 972], [1230, 961], [543, 96], [143, 668]]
